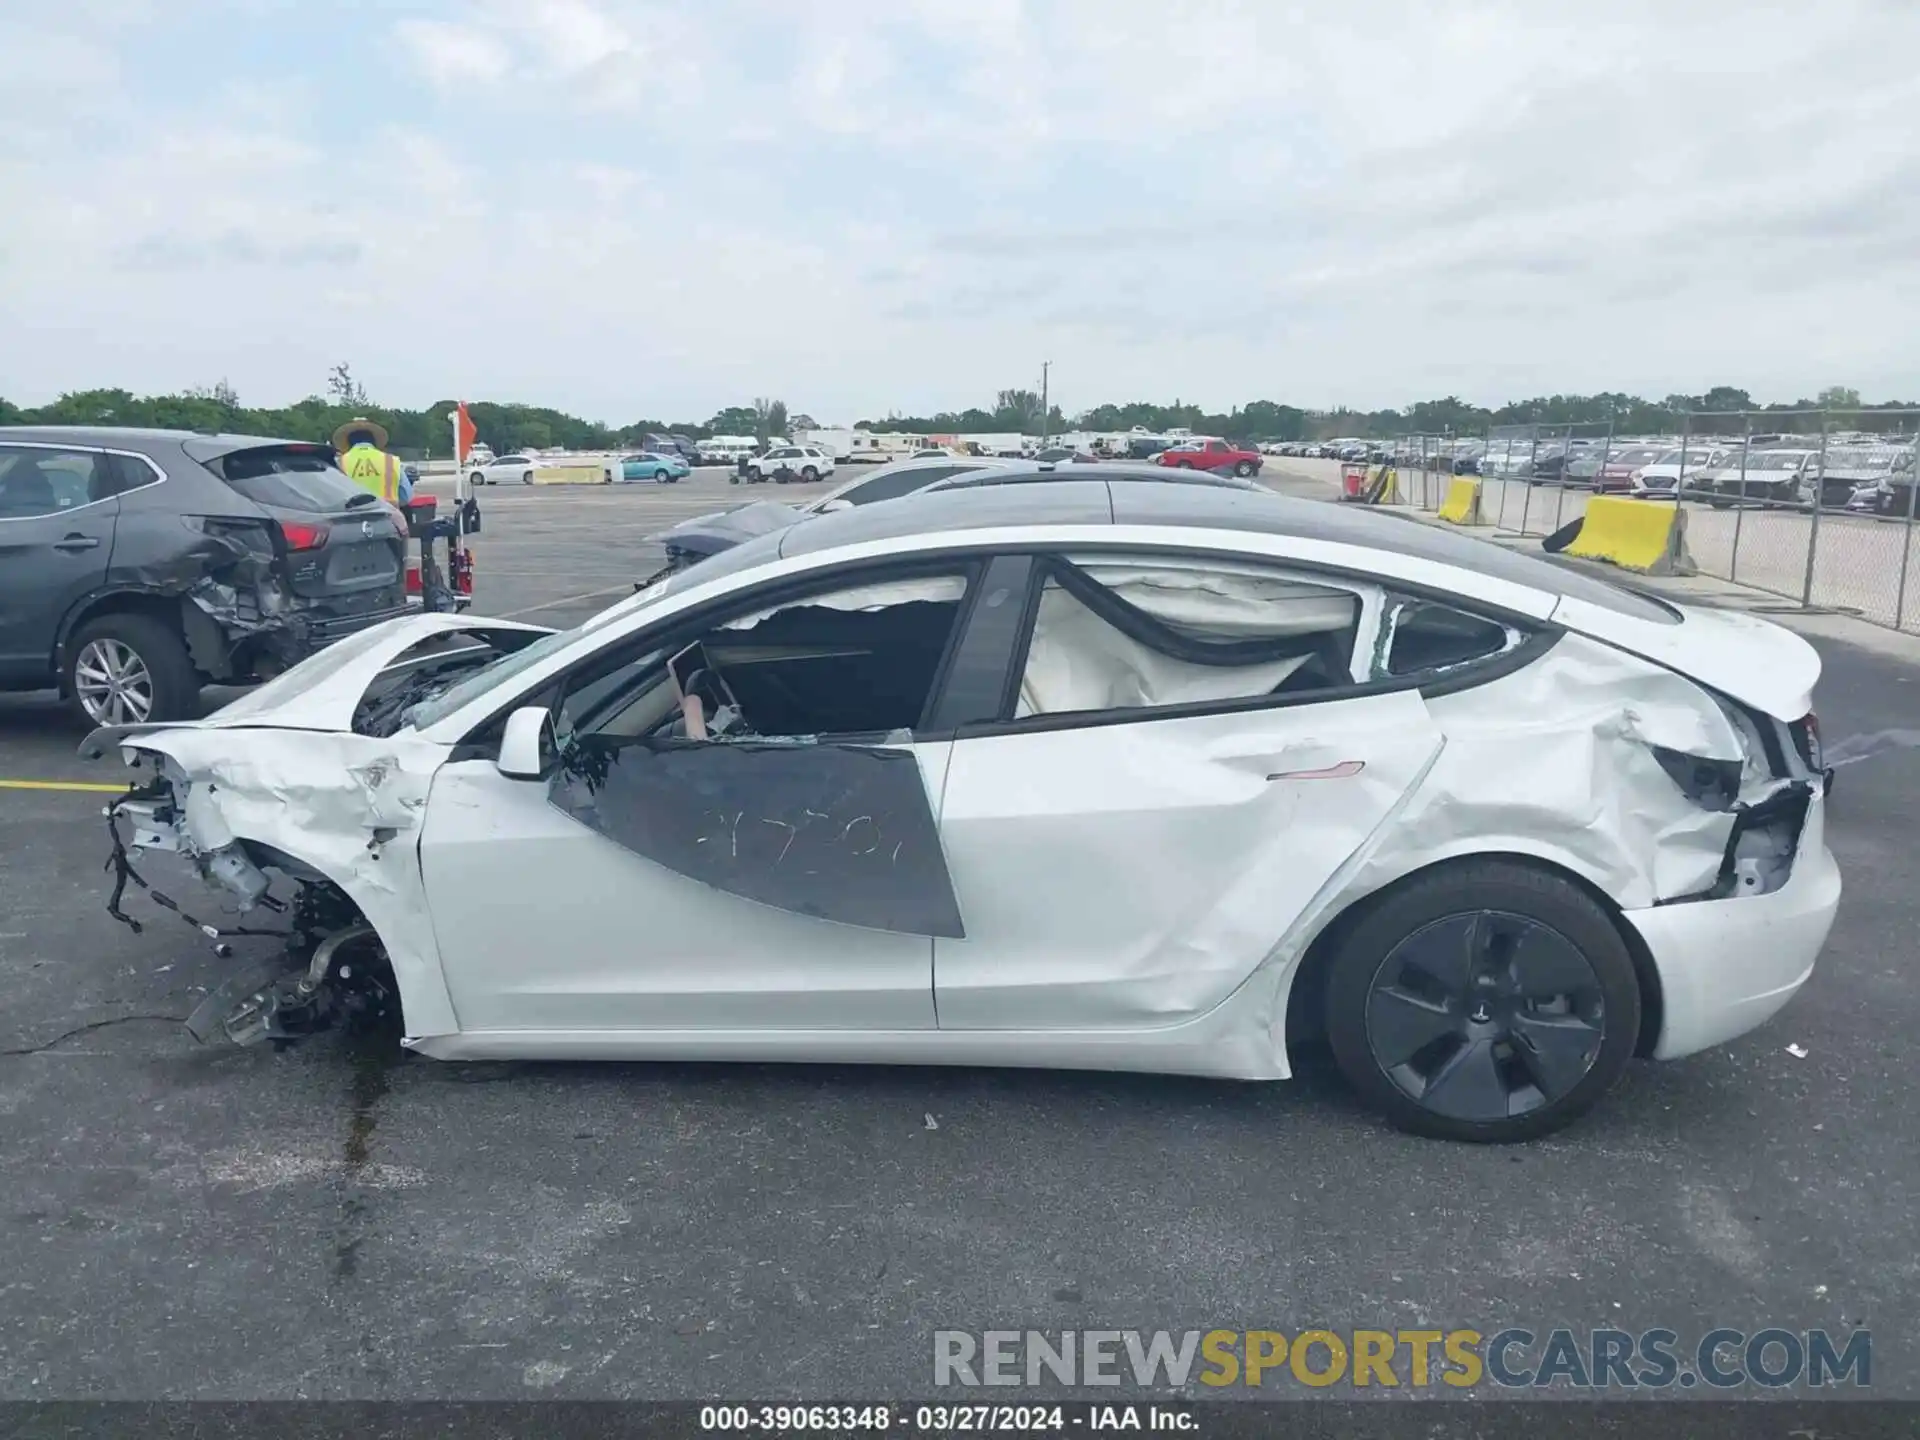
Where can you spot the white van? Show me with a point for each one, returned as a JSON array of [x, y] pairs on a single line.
[[726, 449]]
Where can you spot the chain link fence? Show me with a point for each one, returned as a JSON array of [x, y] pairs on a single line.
[[1818, 507]]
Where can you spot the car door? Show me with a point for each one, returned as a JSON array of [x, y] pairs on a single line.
[[1131, 866], [664, 883], [57, 514]]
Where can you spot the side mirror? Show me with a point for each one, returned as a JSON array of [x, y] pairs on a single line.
[[829, 506], [528, 750]]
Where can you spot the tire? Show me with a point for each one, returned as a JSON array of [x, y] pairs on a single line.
[[809, 474], [159, 669], [661, 477], [527, 478], [1243, 469], [1440, 1043]]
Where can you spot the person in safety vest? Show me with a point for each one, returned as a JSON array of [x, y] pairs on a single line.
[[362, 444]]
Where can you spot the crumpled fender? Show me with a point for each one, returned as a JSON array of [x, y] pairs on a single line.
[[348, 805], [1547, 762]]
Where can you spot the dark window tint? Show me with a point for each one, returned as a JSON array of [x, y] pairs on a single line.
[[130, 472], [45, 482], [288, 477], [1431, 637], [891, 487]]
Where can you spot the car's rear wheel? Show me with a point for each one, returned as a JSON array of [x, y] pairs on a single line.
[[526, 477], [128, 669], [1486, 1001]]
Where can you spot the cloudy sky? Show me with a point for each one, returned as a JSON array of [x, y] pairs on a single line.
[[653, 208]]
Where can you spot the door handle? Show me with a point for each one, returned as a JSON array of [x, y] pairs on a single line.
[[78, 542], [1345, 770]]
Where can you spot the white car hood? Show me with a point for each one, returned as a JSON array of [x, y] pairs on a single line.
[[322, 691], [1742, 656]]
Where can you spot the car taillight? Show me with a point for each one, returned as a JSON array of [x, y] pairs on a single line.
[[300, 535]]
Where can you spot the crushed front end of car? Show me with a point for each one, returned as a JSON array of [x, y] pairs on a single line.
[[299, 808], [329, 962]]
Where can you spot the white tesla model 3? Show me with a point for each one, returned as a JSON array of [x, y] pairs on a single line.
[[1076, 774]]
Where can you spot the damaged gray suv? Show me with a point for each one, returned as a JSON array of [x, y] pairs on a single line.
[[137, 566]]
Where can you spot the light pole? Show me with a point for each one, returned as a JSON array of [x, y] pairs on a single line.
[[1045, 413]]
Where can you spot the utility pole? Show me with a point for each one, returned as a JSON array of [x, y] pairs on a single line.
[[1046, 413]]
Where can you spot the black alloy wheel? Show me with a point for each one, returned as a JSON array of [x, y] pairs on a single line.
[[1485, 1015], [1485, 1000]]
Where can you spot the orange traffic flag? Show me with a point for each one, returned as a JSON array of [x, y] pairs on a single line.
[[464, 434]]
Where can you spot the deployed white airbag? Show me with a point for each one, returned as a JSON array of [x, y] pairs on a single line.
[[1222, 600], [1078, 661]]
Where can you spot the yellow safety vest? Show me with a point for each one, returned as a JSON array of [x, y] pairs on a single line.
[[374, 471]]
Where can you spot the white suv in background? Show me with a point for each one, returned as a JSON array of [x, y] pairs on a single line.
[[807, 462], [1663, 476]]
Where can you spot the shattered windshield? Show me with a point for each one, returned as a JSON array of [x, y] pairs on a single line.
[[431, 712], [471, 687]]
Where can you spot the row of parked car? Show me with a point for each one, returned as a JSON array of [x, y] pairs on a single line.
[[1863, 473], [1859, 472], [1373, 452]]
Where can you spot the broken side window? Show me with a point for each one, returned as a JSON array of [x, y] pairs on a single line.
[[1418, 636], [1116, 633], [812, 800], [858, 660]]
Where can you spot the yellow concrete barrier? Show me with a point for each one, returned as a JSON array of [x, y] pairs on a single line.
[[1462, 505], [1647, 536], [570, 475], [1383, 486]]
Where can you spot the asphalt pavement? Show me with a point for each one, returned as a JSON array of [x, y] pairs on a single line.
[[337, 1221]]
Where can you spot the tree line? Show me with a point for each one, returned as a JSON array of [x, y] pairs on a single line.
[[507, 427]]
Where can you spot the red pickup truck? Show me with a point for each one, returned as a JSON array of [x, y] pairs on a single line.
[[1211, 455]]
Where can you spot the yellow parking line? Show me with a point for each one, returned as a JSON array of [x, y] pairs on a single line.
[[61, 785]]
